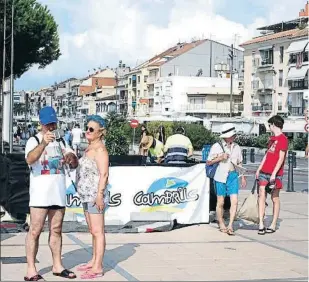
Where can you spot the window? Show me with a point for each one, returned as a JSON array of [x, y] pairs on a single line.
[[279, 101], [267, 56], [255, 84], [197, 101], [138, 93], [241, 65], [300, 56], [138, 79], [145, 78], [280, 78], [281, 54], [130, 81], [253, 59]]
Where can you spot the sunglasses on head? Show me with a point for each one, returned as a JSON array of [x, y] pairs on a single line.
[[91, 129]]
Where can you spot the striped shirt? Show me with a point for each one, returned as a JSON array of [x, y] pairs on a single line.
[[177, 148]]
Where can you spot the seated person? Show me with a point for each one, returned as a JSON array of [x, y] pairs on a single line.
[[154, 148]]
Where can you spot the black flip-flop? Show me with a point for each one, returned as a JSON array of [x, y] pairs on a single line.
[[36, 277], [270, 230], [262, 231], [65, 273]]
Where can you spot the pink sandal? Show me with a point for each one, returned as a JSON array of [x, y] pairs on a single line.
[[84, 267], [90, 275]]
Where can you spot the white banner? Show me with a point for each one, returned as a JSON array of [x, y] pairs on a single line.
[[181, 192]]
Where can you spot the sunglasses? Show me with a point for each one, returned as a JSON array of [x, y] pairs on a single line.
[[91, 129]]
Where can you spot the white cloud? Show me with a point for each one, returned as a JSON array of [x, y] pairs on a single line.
[[105, 31]]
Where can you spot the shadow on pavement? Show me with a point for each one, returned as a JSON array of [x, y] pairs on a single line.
[[246, 225], [111, 259]]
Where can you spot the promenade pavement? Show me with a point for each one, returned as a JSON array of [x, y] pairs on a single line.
[[198, 252]]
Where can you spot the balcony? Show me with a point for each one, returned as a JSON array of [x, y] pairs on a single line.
[[266, 62], [266, 84], [293, 58], [298, 84], [123, 100], [255, 84], [262, 108], [239, 107], [297, 111], [204, 108], [151, 79]]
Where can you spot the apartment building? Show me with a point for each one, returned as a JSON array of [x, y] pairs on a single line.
[[204, 97], [95, 89], [297, 78], [40, 99], [121, 89], [276, 69], [198, 58], [63, 97]]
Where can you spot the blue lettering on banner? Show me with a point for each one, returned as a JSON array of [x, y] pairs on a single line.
[[73, 200], [167, 192], [180, 196]]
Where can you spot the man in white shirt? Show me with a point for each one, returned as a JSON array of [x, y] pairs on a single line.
[[77, 134], [228, 154], [47, 159]]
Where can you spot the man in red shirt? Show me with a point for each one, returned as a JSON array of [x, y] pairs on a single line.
[[270, 172]]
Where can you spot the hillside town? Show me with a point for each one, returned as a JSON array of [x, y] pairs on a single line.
[[269, 76]]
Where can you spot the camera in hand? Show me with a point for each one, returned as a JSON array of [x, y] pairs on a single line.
[[59, 134]]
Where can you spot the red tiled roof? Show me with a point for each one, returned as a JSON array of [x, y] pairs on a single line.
[[172, 52], [301, 33], [288, 33]]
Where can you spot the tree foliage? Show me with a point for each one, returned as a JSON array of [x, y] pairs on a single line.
[[116, 141], [36, 39], [19, 108]]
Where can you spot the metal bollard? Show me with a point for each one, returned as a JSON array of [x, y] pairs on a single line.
[[294, 160], [244, 156], [290, 174], [252, 155]]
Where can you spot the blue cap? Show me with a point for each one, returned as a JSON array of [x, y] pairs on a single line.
[[48, 115]]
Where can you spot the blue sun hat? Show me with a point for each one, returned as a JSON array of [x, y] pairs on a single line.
[[98, 119]]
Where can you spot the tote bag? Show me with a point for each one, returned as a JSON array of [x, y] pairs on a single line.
[[211, 169], [250, 208]]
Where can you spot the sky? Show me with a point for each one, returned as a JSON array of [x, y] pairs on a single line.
[[99, 33]]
